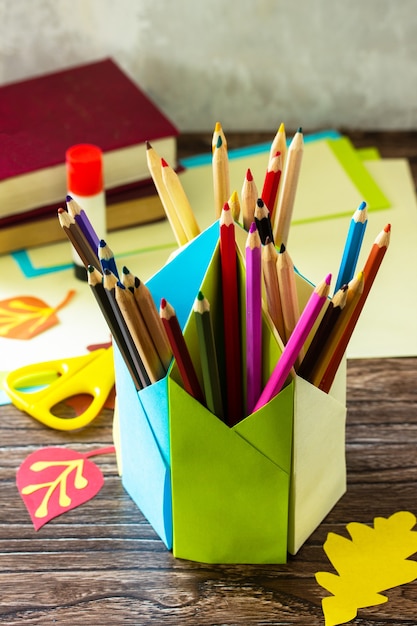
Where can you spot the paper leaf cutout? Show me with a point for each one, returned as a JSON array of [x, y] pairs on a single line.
[[24, 317], [52, 481], [374, 560]]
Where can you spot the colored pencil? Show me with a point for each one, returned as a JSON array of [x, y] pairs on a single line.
[[221, 179], [253, 257], [180, 201], [81, 217], [273, 298], [139, 332], [279, 144], [78, 239], [106, 257], [355, 289], [289, 355], [180, 350], [263, 221], [234, 205], [109, 282], [155, 170], [288, 292], [323, 332], [283, 213], [370, 271], [95, 281], [353, 245], [150, 315], [271, 184], [231, 320], [248, 198], [208, 356]]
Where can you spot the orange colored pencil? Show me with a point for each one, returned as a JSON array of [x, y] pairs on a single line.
[[228, 262], [273, 298], [370, 271]]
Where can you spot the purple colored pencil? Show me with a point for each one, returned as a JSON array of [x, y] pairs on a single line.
[[253, 255], [80, 216]]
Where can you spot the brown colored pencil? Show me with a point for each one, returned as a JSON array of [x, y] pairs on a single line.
[[180, 351], [370, 271], [78, 239]]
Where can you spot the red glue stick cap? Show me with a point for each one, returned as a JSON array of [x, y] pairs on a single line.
[[84, 169]]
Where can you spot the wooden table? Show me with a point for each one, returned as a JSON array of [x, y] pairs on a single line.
[[104, 565]]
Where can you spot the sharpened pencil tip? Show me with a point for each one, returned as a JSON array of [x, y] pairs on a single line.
[[282, 248], [249, 176], [163, 303], [300, 129], [252, 227], [148, 145], [163, 162], [260, 203], [125, 270], [362, 206], [68, 198], [200, 295], [328, 279], [387, 228]]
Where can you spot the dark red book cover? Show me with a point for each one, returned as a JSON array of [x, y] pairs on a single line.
[[93, 103]]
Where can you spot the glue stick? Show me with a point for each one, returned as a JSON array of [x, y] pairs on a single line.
[[84, 164]]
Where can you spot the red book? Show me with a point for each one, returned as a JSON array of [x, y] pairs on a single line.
[[94, 103]]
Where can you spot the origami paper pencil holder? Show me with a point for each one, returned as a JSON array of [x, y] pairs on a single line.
[[246, 494]]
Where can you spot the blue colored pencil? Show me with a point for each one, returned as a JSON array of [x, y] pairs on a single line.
[[352, 246]]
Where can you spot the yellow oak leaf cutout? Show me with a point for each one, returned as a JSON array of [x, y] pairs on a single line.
[[373, 560], [24, 317]]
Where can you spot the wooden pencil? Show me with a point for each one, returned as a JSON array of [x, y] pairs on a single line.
[[231, 318], [139, 332], [334, 307], [150, 315], [253, 258], [248, 198], [279, 144], [208, 356], [83, 221], [370, 270], [221, 178], [288, 292], [155, 170], [289, 355], [355, 289], [180, 201], [353, 245], [270, 187], [109, 282], [234, 205], [273, 298], [106, 257], [180, 351], [95, 281], [284, 211], [263, 221], [78, 239]]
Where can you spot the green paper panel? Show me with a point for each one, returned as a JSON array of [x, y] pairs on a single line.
[[230, 502]]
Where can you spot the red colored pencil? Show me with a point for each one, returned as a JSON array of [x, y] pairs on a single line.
[[228, 261], [271, 184]]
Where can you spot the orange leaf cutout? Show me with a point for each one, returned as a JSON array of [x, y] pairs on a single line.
[[373, 560], [52, 481], [24, 317]]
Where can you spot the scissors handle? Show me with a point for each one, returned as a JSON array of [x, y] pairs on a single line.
[[91, 374]]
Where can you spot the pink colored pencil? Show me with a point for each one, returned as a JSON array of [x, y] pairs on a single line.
[[253, 318], [295, 343]]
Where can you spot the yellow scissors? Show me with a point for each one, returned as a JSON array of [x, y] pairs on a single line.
[[91, 374]]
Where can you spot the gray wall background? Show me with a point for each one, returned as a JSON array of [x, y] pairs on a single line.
[[247, 63]]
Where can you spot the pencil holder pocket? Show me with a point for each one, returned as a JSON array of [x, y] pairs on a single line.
[[218, 494]]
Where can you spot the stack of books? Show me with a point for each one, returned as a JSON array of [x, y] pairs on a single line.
[[43, 116]]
